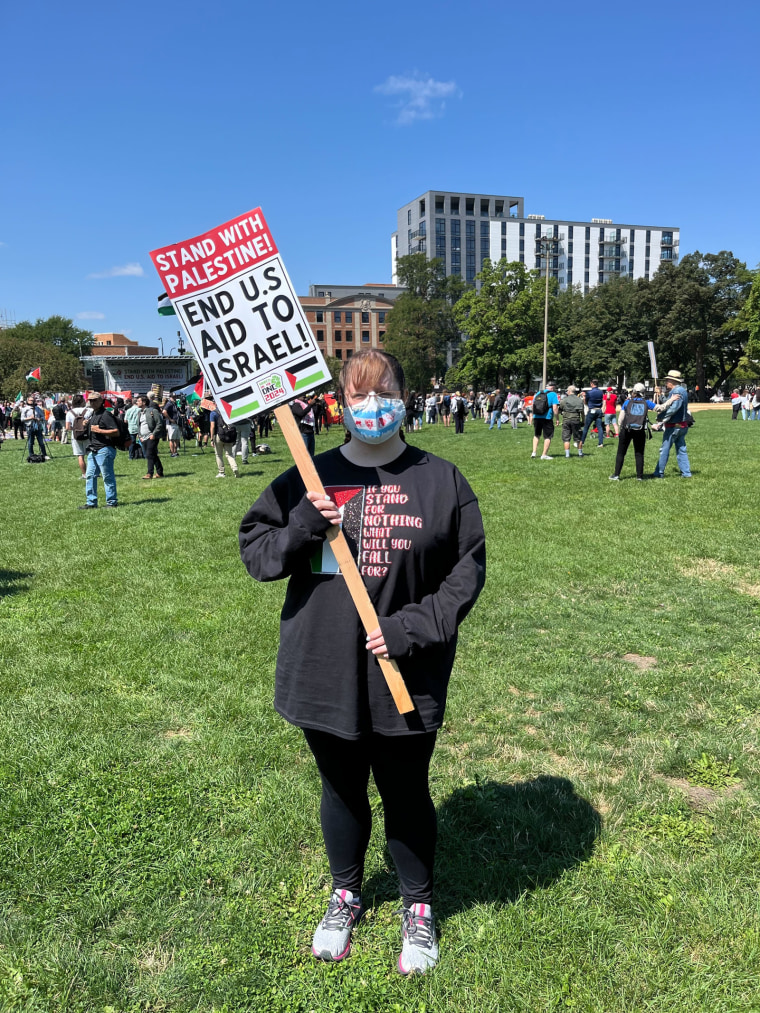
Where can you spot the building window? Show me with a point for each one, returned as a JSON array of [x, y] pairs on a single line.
[[569, 232], [586, 279], [646, 268], [338, 353], [469, 205], [503, 247], [646, 251], [320, 317], [381, 336], [569, 264], [503, 228], [456, 263], [349, 317], [588, 234], [522, 228], [646, 275], [538, 230], [365, 335], [320, 335], [538, 263], [422, 209], [649, 235], [522, 258], [632, 236], [349, 352], [588, 247], [631, 251], [570, 247], [365, 317], [484, 209], [381, 316], [569, 278], [337, 336], [454, 205], [350, 337], [336, 316], [320, 293], [439, 206], [587, 263]]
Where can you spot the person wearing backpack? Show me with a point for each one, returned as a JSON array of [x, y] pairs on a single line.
[[78, 430], [594, 416], [545, 412], [632, 427], [572, 408], [459, 410], [101, 453], [223, 438], [151, 430]]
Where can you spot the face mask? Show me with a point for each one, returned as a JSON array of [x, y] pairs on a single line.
[[375, 419]]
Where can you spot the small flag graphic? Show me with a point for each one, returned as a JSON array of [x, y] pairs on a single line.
[[33, 374], [165, 308], [306, 373], [240, 404]]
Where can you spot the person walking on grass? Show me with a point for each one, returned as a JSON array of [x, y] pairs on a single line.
[[496, 406], [571, 407], [223, 439], [671, 419], [594, 416], [101, 453], [151, 430], [33, 417], [632, 428], [545, 413], [609, 406], [78, 447], [328, 681]]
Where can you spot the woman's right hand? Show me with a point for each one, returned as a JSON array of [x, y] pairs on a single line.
[[325, 505]]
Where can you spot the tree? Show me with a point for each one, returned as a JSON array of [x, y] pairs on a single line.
[[420, 327], [58, 332], [59, 371], [607, 337], [504, 323]]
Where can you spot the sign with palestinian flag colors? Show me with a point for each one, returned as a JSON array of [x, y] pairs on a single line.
[[230, 289]]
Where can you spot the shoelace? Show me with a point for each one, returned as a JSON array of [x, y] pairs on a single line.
[[418, 930], [339, 914]]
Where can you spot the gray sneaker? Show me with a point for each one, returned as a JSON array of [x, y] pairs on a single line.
[[332, 939], [420, 948]]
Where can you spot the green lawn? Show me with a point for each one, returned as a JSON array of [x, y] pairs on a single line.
[[597, 778]]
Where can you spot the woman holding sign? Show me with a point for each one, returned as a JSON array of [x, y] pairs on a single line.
[[414, 526]]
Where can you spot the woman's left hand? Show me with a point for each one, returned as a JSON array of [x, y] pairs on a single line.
[[376, 643]]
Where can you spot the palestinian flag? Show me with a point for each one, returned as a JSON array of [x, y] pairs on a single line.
[[19, 397], [307, 373], [33, 374], [240, 404], [165, 308], [193, 392], [350, 501]]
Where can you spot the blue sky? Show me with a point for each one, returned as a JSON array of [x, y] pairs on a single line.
[[126, 128]]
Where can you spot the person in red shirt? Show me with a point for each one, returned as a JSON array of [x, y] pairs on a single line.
[[609, 402]]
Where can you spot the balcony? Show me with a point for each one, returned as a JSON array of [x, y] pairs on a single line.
[[667, 241]]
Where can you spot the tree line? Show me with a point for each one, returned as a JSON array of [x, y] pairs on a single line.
[[703, 315], [54, 345]]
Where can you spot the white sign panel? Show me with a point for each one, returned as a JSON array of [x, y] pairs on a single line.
[[230, 289]]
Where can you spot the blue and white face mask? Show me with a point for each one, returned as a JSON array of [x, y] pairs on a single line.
[[375, 419]]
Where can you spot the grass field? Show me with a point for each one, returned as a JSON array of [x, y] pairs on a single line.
[[597, 779]]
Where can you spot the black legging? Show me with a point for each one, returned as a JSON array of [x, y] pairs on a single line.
[[399, 765], [639, 438]]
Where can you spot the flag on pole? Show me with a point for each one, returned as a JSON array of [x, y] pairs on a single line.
[[193, 392], [19, 397], [33, 374], [165, 308], [652, 359]]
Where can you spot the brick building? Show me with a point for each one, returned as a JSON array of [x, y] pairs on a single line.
[[346, 319]]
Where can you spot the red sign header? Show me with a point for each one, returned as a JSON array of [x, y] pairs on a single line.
[[226, 251]]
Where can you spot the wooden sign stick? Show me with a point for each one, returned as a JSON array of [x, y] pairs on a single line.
[[346, 561]]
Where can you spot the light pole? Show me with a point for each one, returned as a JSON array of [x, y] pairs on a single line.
[[180, 343], [162, 345], [546, 243]]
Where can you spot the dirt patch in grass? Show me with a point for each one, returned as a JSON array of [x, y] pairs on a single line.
[[713, 569], [642, 661], [155, 961], [178, 733], [698, 797]]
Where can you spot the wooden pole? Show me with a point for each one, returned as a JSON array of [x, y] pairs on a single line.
[[342, 552]]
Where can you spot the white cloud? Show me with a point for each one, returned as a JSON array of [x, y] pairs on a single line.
[[420, 97], [91, 315], [127, 271]]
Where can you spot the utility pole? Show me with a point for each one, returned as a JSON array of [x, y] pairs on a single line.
[[546, 244]]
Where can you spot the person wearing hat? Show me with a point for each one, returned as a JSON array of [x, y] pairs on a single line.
[[671, 419], [100, 453], [632, 423], [572, 409], [33, 417], [496, 407]]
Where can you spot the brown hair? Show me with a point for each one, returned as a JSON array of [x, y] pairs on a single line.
[[369, 369]]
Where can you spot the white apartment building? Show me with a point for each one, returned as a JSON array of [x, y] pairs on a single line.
[[463, 229]]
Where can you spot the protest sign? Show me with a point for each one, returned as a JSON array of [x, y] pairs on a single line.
[[230, 289]]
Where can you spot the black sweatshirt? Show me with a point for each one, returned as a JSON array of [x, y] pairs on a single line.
[[415, 529]]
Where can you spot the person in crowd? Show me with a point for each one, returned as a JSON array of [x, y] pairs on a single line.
[[572, 409], [78, 446], [671, 419], [18, 423], [431, 407], [223, 440], [202, 418], [170, 413], [33, 417], [246, 441], [101, 452], [754, 405], [411, 401], [512, 407], [472, 405], [543, 421], [632, 428], [609, 407], [132, 418], [419, 411], [736, 404], [459, 411], [497, 404], [328, 682], [444, 407], [152, 428], [594, 416], [265, 424], [58, 419], [303, 409]]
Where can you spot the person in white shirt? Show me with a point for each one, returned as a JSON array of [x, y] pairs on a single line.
[[33, 417], [78, 448]]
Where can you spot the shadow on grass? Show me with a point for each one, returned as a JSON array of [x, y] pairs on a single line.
[[9, 582], [498, 841]]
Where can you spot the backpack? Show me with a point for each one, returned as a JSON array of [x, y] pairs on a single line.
[[540, 404], [81, 427], [635, 418], [124, 440], [36, 458], [225, 432], [59, 412]]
